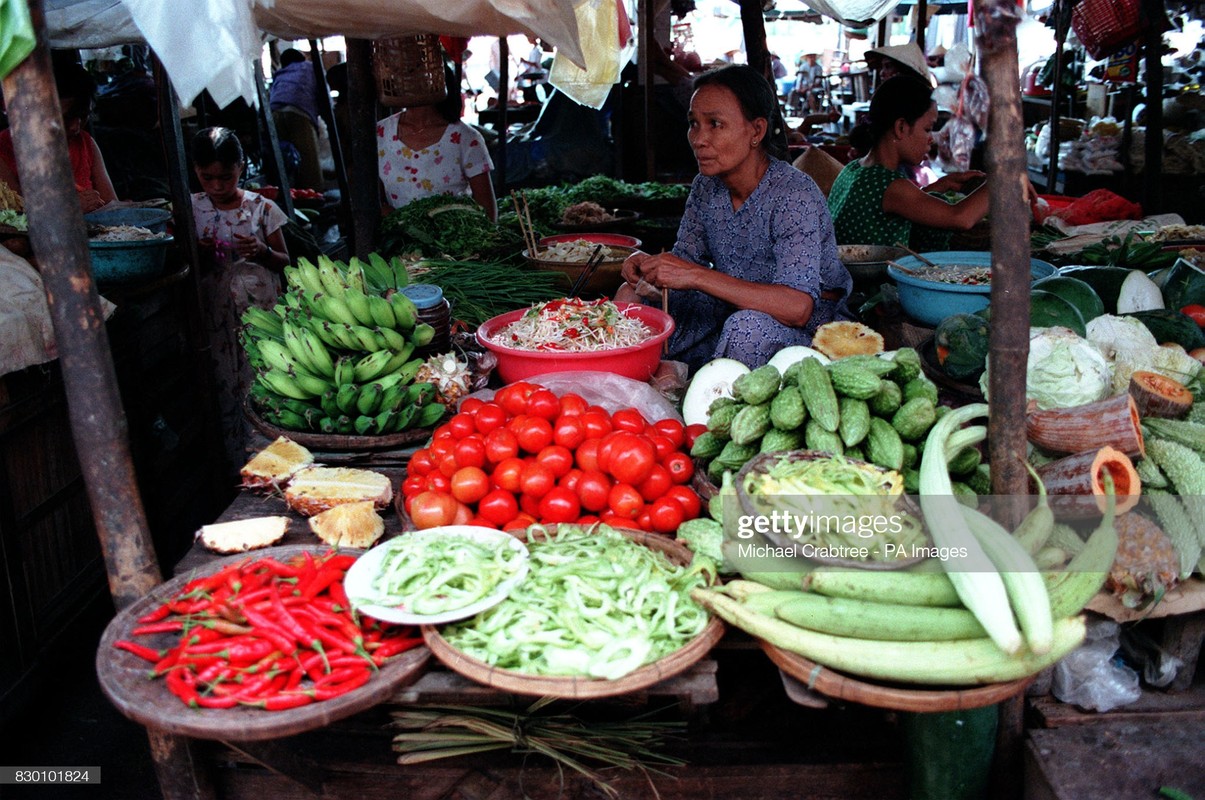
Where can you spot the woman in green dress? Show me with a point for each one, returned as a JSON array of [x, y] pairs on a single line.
[[872, 201]]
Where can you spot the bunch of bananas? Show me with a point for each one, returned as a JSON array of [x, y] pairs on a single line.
[[335, 354]]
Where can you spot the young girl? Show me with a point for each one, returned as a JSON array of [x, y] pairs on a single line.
[[244, 247]]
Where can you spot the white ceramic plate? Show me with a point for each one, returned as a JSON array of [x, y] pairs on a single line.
[[361, 575]]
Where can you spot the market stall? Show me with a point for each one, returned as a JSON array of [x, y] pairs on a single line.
[[277, 650]]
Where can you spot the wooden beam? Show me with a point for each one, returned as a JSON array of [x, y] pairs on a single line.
[[364, 196], [644, 65], [996, 22], [275, 160], [753, 25], [327, 111], [1152, 170]]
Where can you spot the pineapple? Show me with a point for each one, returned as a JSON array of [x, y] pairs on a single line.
[[1146, 565], [449, 374]]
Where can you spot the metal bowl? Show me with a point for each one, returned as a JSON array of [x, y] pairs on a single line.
[[868, 262]]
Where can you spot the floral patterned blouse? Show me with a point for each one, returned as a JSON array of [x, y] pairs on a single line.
[[443, 168]]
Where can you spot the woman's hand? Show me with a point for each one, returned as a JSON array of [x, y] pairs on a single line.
[[668, 271], [954, 181], [248, 247], [90, 200]]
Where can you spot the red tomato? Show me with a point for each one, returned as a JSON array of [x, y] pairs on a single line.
[[559, 505], [587, 455], [420, 463], [572, 404], [592, 490], [631, 458], [568, 431], [513, 398], [470, 451], [534, 434], [666, 515], [442, 432], [499, 507], [469, 405], [656, 484], [694, 432], [685, 496], [440, 448], [616, 521], [1196, 313], [521, 522], [470, 484], [414, 484], [671, 429], [438, 482], [479, 521], [662, 445], [536, 479], [681, 467], [489, 417], [598, 424], [448, 464], [529, 505], [570, 479], [500, 444], [544, 404], [624, 501], [645, 520], [432, 509], [507, 474], [628, 419], [463, 514], [558, 459], [587, 520], [461, 425]]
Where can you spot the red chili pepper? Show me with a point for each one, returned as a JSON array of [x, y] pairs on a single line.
[[219, 645], [333, 690], [159, 613], [339, 595], [277, 568], [340, 675], [211, 701], [283, 701], [287, 621], [269, 629], [394, 647], [166, 626], [139, 650], [180, 682], [340, 561]]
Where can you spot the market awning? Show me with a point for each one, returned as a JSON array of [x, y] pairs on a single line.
[[211, 50]]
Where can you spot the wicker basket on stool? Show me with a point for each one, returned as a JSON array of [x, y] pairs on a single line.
[[409, 70]]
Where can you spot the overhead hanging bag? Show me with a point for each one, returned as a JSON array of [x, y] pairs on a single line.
[[599, 31]]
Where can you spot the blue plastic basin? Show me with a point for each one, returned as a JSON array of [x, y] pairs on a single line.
[[929, 302], [118, 262]]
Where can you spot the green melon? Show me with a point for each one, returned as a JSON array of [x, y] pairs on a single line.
[[1047, 310], [1076, 292]]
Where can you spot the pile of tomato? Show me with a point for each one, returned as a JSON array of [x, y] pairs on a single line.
[[529, 456]]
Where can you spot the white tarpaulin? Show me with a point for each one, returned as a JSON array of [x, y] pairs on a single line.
[[208, 44], [853, 12]]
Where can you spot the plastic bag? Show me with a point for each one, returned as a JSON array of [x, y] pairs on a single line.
[[1089, 676], [599, 31], [605, 389], [955, 141]]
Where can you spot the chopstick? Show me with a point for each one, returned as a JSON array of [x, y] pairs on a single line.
[[665, 308], [529, 237], [915, 255], [901, 267], [591, 264]]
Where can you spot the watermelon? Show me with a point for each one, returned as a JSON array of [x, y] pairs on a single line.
[[1046, 310], [1184, 285], [1076, 292], [1105, 281], [1169, 325]]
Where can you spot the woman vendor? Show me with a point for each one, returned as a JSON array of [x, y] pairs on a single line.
[[755, 266], [872, 201]]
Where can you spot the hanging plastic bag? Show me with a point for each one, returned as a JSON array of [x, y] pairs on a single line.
[[1089, 676], [599, 27], [17, 38], [956, 138]]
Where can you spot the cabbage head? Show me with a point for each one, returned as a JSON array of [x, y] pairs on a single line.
[[1063, 370]]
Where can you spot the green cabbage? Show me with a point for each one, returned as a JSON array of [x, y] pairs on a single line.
[[1130, 346], [1063, 370]]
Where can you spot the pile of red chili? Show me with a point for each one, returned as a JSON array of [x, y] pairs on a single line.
[[267, 633]]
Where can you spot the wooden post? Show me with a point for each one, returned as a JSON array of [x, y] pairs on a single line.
[[1061, 23], [753, 25], [327, 111], [364, 196], [98, 423], [996, 30], [645, 44], [1152, 46], [503, 110], [922, 22], [284, 198]]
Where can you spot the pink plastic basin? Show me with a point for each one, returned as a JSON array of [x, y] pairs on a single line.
[[638, 362]]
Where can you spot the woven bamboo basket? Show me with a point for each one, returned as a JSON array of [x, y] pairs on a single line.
[[409, 70], [581, 687]]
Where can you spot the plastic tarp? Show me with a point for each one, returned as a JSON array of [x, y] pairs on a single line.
[[207, 44], [855, 13]]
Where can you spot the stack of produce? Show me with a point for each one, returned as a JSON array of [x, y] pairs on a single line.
[[547, 205], [334, 356], [444, 225], [874, 408], [967, 624], [529, 456]]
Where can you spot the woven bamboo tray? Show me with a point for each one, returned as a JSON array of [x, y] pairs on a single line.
[[578, 687], [334, 441], [880, 695], [123, 676]]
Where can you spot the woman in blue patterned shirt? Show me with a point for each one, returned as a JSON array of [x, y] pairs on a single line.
[[755, 266]]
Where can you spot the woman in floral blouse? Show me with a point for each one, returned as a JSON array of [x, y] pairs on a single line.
[[426, 150]]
